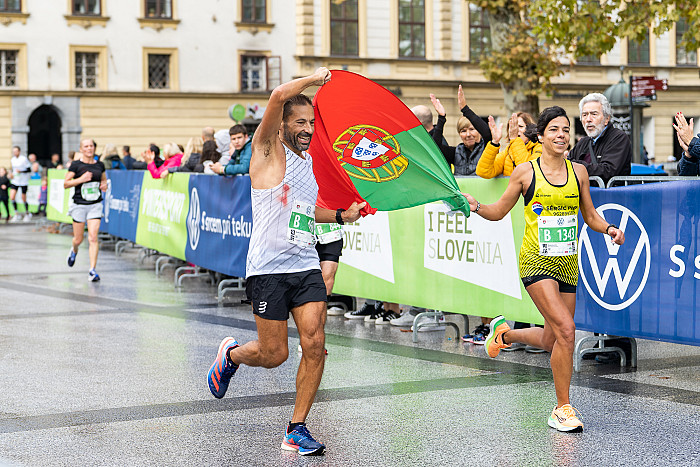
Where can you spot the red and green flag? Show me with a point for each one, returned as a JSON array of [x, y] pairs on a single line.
[[368, 146]]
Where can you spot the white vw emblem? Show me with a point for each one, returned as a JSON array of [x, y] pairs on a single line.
[[597, 287], [193, 219]]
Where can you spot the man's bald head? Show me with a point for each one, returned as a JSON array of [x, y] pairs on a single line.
[[424, 115], [208, 133]]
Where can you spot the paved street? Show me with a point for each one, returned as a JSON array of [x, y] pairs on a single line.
[[113, 373]]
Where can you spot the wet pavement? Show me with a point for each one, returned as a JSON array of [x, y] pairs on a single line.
[[114, 373]]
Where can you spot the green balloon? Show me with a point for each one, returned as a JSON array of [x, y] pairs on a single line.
[[236, 112]]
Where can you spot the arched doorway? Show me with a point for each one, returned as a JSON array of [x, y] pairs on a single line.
[[44, 136]]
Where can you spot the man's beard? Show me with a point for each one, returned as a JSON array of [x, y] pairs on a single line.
[[596, 131], [292, 140]]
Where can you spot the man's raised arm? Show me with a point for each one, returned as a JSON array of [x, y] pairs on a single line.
[[266, 136]]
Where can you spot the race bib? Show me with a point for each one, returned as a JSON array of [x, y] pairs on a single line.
[[557, 235], [90, 191], [301, 224], [329, 233]]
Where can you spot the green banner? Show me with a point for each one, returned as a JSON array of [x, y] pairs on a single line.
[[58, 198], [163, 213], [427, 257]]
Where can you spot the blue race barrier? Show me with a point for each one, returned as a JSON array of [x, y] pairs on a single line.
[[649, 287], [121, 203], [219, 223]]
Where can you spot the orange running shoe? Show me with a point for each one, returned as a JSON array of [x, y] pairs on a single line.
[[494, 341], [564, 419]]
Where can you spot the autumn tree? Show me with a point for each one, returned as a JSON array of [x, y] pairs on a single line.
[[530, 40]]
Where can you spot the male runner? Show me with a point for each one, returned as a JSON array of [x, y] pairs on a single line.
[[21, 170], [282, 270]]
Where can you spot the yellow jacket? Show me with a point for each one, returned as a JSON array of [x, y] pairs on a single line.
[[494, 163]]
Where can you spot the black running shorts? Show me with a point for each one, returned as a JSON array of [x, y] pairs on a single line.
[[563, 286], [330, 251], [22, 188], [274, 295]]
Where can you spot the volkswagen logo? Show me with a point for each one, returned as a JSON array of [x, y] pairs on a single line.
[[598, 264], [193, 219]]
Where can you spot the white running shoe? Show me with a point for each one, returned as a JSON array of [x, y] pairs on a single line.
[[406, 319], [16, 218], [335, 311], [28, 217]]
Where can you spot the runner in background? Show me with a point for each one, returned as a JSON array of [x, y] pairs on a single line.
[[330, 248], [89, 179], [21, 171], [553, 189]]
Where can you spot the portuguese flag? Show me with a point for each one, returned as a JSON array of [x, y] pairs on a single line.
[[368, 146]]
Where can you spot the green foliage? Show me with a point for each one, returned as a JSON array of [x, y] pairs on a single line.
[[531, 38]]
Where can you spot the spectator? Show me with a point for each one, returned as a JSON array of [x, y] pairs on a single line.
[[4, 196], [55, 162], [523, 146], [606, 151], [473, 131], [43, 196], [192, 155], [111, 159], [71, 158], [223, 140], [207, 134], [32, 158], [210, 156], [127, 159], [172, 155], [239, 164], [21, 171], [689, 163], [36, 171], [150, 154]]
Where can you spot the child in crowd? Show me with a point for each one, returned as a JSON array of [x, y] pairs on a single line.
[[43, 196]]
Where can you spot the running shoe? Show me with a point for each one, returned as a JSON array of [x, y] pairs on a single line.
[[386, 317], [71, 257], [93, 276], [378, 311], [533, 349], [222, 369], [477, 330], [406, 319], [366, 310], [335, 311], [27, 217], [299, 439], [494, 341], [564, 419], [16, 218], [514, 346]]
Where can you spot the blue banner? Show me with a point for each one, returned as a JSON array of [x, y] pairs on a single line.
[[219, 223], [650, 286], [121, 203]]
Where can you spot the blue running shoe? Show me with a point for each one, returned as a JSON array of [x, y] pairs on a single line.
[[71, 258], [299, 439], [222, 369], [93, 276]]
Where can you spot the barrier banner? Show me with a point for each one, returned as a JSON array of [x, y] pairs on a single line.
[[650, 286], [429, 258], [219, 223], [162, 214], [121, 203], [58, 198]]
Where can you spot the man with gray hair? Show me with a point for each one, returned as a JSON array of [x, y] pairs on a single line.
[[606, 151]]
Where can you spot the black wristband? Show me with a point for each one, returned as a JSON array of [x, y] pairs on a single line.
[[338, 217], [607, 229]]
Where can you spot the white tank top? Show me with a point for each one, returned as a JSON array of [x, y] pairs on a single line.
[[269, 251]]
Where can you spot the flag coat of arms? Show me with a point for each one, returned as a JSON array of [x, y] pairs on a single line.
[[368, 146]]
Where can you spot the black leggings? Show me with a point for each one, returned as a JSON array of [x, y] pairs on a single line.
[[6, 203]]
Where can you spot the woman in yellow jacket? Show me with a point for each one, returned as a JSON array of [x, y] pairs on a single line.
[[523, 147]]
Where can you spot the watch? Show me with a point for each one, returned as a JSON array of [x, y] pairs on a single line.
[[607, 229], [338, 217]]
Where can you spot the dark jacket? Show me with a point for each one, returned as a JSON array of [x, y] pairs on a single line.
[[128, 162], [464, 160], [612, 154], [113, 162], [192, 164], [690, 166]]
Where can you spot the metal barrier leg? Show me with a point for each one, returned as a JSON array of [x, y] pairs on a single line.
[[196, 272], [226, 285], [431, 314], [579, 351]]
